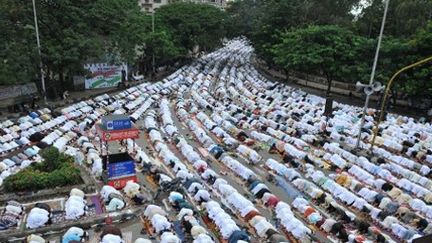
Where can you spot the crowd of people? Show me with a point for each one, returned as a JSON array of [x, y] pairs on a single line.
[[223, 140]]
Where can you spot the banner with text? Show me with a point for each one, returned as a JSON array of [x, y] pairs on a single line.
[[103, 75]]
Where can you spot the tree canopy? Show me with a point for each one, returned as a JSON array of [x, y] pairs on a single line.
[[329, 50], [76, 32], [327, 38], [194, 24], [323, 37]]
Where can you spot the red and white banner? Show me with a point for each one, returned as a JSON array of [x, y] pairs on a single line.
[[121, 182], [115, 135]]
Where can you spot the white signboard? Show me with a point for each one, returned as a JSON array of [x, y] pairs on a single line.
[[103, 75]]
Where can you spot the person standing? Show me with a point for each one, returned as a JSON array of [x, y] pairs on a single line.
[[123, 74]]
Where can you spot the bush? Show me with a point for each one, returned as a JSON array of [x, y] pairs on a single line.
[[51, 157], [56, 170]]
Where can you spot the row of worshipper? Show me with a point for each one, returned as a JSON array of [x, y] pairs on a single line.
[[72, 235], [201, 195], [204, 118], [314, 192], [410, 180], [365, 202], [167, 156], [188, 222], [160, 224], [91, 154], [235, 199], [390, 183], [15, 135], [167, 121], [14, 164], [41, 214], [223, 221]]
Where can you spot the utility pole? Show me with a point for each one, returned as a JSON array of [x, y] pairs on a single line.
[[39, 51], [371, 81]]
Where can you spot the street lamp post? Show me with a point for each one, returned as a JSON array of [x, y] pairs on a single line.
[[387, 91], [39, 51], [372, 77], [368, 89]]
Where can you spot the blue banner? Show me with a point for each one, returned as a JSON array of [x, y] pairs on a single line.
[[119, 124], [119, 169]]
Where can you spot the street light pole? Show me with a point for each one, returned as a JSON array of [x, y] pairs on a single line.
[[387, 91], [39, 51], [372, 77], [153, 29]]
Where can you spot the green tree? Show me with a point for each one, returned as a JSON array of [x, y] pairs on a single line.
[[193, 25], [17, 44], [161, 45], [330, 51], [122, 27], [262, 21], [66, 47], [72, 32], [398, 53], [404, 17]]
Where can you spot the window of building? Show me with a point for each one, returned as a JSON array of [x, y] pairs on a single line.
[[157, 1]]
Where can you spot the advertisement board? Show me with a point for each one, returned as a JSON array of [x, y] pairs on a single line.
[[116, 122], [103, 75], [121, 169], [115, 135], [120, 134]]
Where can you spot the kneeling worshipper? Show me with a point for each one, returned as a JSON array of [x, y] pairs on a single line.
[[169, 237], [113, 198], [141, 240], [109, 238], [116, 202], [35, 239], [75, 207], [38, 216], [160, 224], [203, 238], [202, 196], [132, 190], [74, 234], [174, 197], [111, 234], [106, 191]]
